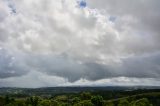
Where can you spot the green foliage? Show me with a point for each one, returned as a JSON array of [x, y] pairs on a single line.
[[45, 103], [33, 101], [141, 102], [84, 103], [123, 102], [75, 100], [81, 99], [2, 101], [17, 103], [62, 98], [85, 96], [7, 99], [108, 104], [54, 103], [97, 100]]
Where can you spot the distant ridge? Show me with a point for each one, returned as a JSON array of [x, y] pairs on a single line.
[[73, 89]]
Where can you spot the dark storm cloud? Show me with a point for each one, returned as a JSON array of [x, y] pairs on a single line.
[[57, 65], [147, 66], [63, 66]]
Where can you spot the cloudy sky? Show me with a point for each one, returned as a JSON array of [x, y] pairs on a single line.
[[46, 43]]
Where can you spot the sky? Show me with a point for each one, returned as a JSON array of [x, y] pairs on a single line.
[[48, 43]]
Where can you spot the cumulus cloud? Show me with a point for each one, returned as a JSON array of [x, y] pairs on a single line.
[[138, 20], [74, 40]]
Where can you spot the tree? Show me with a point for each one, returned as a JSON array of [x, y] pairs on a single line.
[[97, 100], [75, 100], [7, 99], [32, 101], [85, 96]]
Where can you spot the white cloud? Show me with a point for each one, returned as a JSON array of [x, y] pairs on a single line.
[[61, 39]]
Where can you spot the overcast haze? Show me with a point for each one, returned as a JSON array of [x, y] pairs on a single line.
[[45, 43]]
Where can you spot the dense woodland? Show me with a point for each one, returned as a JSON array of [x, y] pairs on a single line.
[[85, 98]]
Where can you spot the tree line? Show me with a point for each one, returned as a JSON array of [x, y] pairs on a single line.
[[82, 99]]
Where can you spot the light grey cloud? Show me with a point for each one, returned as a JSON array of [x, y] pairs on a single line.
[[11, 64], [4, 10]]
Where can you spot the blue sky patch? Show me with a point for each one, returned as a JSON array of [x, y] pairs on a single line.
[[112, 18], [13, 9], [11, 5], [82, 3]]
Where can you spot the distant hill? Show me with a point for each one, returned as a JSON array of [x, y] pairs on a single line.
[[60, 90]]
